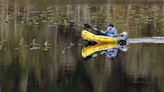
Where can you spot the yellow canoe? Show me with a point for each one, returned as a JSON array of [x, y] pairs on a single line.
[[86, 51], [97, 38]]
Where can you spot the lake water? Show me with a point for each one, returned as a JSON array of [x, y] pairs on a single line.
[[40, 46]]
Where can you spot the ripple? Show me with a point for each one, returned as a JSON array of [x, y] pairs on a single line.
[[147, 40]]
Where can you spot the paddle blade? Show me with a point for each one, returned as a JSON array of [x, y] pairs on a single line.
[[87, 26]]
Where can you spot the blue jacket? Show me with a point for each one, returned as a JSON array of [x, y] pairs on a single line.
[[112, 52], [111, 32]]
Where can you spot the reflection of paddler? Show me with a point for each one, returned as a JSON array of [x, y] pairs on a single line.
[[1, 45], [87, 51]]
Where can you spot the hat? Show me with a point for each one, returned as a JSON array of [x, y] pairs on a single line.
[[110, 24]]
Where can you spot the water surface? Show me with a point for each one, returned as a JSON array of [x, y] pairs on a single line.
[[40, 47]]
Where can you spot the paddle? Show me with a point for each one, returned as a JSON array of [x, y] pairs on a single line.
[[94, 28], [87, 26]]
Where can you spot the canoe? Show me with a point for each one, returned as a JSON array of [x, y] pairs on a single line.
[[87, 51], [86, 35]]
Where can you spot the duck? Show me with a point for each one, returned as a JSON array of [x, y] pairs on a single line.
[[45, 45], [33, 45], [34, 42]]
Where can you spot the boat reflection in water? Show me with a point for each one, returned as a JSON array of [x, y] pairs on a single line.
[[108, 49]]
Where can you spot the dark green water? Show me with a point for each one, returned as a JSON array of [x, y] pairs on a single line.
[[26, 65]]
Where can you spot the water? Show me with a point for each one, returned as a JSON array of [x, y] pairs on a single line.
[[147, 40], [40, 46]]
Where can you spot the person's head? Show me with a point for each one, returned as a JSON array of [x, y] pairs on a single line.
[[109, 26]]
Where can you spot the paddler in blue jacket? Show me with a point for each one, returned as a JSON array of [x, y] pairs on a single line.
[[112, 32], [111, 53]]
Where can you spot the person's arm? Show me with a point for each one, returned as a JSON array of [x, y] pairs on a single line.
[[104, 32], [101, 31], [114, 30], [112, 52]]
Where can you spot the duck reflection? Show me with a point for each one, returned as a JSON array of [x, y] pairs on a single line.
[[92, 49]]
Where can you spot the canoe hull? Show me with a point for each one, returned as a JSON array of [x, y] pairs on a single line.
[[87, 51], [97, 38]]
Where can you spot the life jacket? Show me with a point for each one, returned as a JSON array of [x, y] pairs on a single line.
[[111, 32], [110, 52]]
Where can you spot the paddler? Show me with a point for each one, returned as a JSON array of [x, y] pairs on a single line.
[[110, 31], [110, 53]]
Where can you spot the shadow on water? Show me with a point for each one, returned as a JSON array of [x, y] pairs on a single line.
[[40, 48]]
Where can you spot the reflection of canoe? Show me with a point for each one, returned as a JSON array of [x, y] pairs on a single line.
[[97, 38], [86, 51]]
